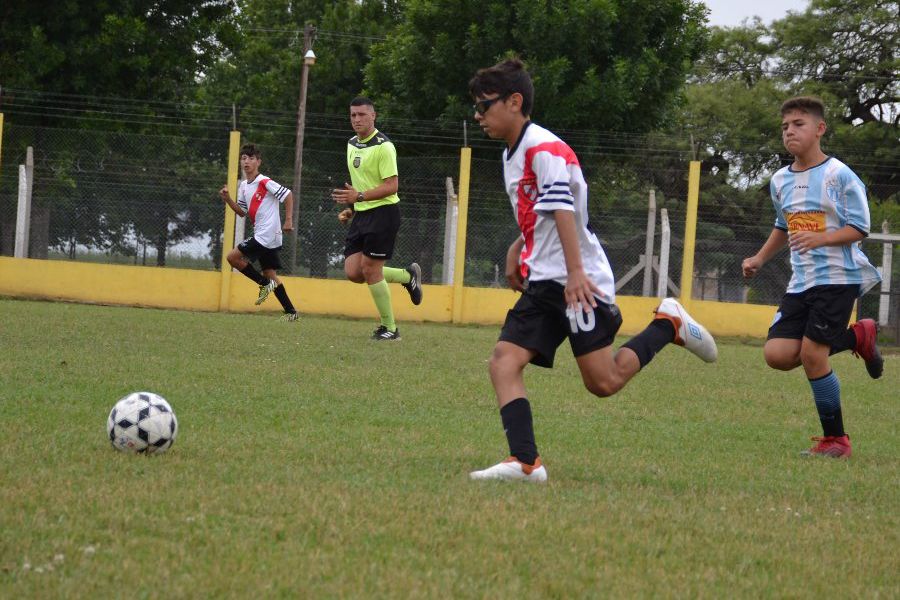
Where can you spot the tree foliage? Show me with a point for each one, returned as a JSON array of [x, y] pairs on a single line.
[[609, 65], [145, 49]]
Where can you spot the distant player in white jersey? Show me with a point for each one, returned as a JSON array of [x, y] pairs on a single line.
[[570, 292], [822, 212], [260, 198]]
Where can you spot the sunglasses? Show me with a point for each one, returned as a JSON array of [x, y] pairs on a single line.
[[482, 106]]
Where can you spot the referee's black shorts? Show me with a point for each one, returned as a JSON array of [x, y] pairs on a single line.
[[374, 232]]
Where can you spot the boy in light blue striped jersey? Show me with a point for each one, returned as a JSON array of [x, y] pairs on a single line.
[[822, 213]]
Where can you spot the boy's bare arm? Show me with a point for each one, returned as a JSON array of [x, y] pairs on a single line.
[[234, 205], [777, 239], [580, 290], [513, 272], [289, 212]]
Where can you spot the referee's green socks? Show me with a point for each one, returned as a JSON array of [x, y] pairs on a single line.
[[395, 275], [381, 294]]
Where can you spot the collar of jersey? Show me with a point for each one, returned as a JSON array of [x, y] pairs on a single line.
[[511, 151], [366, 141], [258, 175], [791, 168]]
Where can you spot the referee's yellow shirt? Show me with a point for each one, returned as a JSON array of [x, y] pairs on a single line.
[[370, 162]]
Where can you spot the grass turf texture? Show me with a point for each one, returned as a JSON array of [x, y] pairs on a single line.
[[312, 462]]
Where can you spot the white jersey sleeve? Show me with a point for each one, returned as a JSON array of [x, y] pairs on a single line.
[[852, 202], [552, 179], [277, 190]]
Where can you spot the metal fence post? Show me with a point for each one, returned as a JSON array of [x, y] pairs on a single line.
[[648, 246], [690, 232], [450, 219], [884, 301], [23, 214], [459, 263], [234, 148], [1, 139], [662, 288]]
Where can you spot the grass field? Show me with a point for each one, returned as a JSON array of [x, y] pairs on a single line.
[[313, 463]]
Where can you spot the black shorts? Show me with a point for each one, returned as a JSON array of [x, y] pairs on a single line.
[[540, 321], [373, 232], [268, 257], [820, 313]]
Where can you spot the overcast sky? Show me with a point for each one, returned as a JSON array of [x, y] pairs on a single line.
[[729, 13]]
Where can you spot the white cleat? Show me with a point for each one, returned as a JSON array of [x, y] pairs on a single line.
[[512, 470], [688, 332]]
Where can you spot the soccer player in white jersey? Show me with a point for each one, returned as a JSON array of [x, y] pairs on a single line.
[[570, 292], [260, 198], [821, 212]]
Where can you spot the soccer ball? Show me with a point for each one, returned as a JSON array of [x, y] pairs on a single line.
[[142, 422]]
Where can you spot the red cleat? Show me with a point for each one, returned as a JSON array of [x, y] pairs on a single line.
[[866, 331], [832, 446]]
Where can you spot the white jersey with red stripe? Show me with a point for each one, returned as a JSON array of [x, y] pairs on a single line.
[[260, 199], [542, 175]]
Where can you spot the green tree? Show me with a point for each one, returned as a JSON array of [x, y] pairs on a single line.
[[63, 62], [614, 65], [144, 49], [844, 52]]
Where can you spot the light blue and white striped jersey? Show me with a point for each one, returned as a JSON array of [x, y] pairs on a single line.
[[824, 198]]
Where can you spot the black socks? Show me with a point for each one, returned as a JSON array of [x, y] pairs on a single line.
[[254, 275], [651, 340], [517, 424], [282, 296]]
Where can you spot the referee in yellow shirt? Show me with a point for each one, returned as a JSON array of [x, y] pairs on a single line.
[[372, 201]]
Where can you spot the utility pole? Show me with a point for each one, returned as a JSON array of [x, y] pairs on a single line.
[[309, 59]]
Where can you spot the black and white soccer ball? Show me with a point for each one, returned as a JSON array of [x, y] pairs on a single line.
[[142, 422]]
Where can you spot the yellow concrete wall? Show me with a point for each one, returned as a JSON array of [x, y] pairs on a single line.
[[200, 290], [109, 284]]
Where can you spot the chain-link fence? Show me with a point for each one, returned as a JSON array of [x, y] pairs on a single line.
[[116, 197], [153, 200]]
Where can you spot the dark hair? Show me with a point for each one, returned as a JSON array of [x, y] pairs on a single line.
[[507, 77], [250, 150], [362, 101], [808, 104]]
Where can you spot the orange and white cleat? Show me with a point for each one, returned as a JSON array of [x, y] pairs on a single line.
[[513, 470], [688, 333]]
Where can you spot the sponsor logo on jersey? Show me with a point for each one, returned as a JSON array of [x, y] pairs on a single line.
[[807, 220]]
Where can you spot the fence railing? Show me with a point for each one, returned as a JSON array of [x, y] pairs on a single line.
[[148, 199]]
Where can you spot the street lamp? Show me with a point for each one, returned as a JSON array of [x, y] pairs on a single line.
[[309, 59]]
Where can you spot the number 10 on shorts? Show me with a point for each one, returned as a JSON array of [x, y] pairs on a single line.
[[581, 320]]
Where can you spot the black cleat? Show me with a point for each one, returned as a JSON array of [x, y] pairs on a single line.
[[414, 287], [383, 334]]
